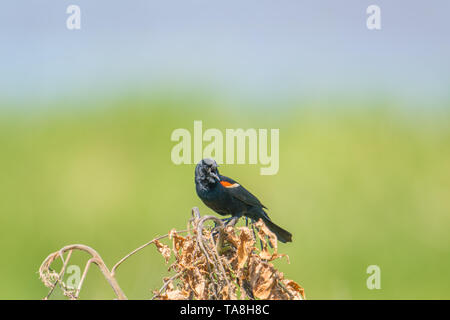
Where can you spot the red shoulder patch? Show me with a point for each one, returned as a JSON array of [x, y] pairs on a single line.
[[227, 184]]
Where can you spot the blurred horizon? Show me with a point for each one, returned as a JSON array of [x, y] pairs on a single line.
[[246, 50]]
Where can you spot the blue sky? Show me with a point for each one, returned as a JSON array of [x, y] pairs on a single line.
[[245, 48]]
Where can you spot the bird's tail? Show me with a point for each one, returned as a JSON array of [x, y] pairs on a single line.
[[282, 235]]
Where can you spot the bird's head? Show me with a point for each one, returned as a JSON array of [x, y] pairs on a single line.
[[206, 172]]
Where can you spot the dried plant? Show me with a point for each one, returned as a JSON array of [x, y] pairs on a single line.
[[220, 262]]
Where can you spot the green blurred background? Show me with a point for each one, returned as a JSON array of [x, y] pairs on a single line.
[[86, 118], [355, 188]]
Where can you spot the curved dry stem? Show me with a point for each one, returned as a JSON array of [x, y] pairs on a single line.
[[46, 274], [114, 268]]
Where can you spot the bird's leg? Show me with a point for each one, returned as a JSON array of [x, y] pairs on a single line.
[[226, 220], [216, 225], [233, 221]]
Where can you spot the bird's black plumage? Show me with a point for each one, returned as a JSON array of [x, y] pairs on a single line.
[[227, 197]]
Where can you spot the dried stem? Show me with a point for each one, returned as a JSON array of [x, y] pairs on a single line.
[[113, 270]]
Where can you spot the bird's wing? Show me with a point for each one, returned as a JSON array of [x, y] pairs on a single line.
[[239, 192]]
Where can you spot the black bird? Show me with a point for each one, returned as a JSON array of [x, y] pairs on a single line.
[[227, 197]]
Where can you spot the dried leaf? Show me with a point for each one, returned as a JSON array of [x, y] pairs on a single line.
[[177, 295], [196, 282], [264, 232], [262, 280], [178, 240], [246, 244], [294, 288], [163, 249]]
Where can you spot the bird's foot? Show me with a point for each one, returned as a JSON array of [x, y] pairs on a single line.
[[226, 222], [229, 221]]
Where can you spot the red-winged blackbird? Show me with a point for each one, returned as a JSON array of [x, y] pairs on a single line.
[[226, 197]]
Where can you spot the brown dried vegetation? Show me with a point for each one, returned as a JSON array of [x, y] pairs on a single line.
[[207, 263]]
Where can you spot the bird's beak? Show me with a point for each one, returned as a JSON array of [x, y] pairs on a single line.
[[215, 176]]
